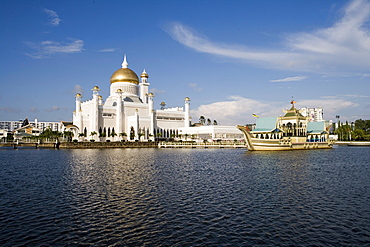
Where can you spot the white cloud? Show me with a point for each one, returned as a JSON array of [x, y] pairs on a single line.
[[195, 87], [343, 46], [54, 108], [9, 109], [239, 110], [157, 91], [107, 50], [33, 109], [55, 20], [46, 48], [294, 78], [78, 89]]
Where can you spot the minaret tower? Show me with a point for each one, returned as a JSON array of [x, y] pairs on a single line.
[[95, 111], [77, 118], [187, 112], [151, 113], [144, 87], [119, 112]]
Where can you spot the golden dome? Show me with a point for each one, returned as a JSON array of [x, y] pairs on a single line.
[[78, 95], [96, 88], [124, 75], [144, 74]]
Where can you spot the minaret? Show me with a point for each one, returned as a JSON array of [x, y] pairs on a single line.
[[95, 111], [136, 124], [77, 118], [151, 102], [151, 113], [119, 112], [78, 102], [187, 112], [144, 87]]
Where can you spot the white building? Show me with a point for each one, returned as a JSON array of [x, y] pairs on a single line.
[[3, 135], [211, 133], [313, 114], [128, 110], [13, 125]]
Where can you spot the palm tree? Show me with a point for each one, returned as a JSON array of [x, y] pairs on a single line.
[[202, 120], [122, 135], [68, 135], [159, 135], [93, 133], [140, 135]]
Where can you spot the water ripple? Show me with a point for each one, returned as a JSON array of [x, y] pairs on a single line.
[[167, 197]]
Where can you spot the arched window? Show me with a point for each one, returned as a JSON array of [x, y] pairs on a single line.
[[289, 129]]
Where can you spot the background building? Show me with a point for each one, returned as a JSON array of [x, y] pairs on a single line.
[[13, 125]]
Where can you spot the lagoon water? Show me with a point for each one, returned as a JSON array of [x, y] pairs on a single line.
[[184, 197]]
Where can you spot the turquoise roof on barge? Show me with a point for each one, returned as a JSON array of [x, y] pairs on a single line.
[[265, 124]]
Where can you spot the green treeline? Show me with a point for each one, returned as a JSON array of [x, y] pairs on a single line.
[[357, 131]]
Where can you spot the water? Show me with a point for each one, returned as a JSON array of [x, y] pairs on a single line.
[[184, 197]]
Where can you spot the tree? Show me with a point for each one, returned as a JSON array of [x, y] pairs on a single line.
[[158, 135], [343, 132], [358, 135], [68, 135], [202, 120], [93, 133], [140, 135]]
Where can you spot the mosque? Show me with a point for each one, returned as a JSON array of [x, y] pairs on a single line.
[[128, 112]]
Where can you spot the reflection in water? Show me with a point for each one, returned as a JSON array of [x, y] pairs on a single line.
[[184, 197]]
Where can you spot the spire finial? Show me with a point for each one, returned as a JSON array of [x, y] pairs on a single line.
[[124, 63]]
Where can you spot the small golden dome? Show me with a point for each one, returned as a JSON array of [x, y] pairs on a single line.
[[96, 88], [119, 90], [78, 95], [144, 75], [124, 75], [187, 99], [151, 94]]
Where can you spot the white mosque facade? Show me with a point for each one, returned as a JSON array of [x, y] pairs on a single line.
[[128, 112]]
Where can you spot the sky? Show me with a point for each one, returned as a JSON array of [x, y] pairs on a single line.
[[231, 58]]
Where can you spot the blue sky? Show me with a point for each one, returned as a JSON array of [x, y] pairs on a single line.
[[232, 58]]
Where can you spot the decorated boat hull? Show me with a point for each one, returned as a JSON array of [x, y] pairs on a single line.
[[285, 143]]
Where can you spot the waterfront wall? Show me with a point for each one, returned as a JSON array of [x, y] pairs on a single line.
[[77, 145], [69, 145]]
